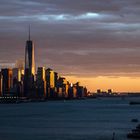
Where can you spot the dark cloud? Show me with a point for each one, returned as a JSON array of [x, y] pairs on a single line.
[[73, 36]]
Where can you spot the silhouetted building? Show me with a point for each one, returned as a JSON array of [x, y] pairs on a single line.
[[56, 77], [72, 91], [63, 86], [50, 79], [99, 91], [29, 72], [16, 74], [17, 87], [80, 90], [22, 81], [41, 82], [59, 92], [7, 81], [1, 84], [86, 92], [109, 91]]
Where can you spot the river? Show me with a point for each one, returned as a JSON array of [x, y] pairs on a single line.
[[90, 119]]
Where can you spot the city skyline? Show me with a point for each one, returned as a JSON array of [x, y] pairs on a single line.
[[24, 82], [98, 45]]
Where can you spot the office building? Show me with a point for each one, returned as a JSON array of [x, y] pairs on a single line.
[[110, 91], [80, 90], [16, 74], [7, 81], [29, 71], [0, 84], [63, 84], [72, 92], [17, 86], [50, 79], [41, 82]]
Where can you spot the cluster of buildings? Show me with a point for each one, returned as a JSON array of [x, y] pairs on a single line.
[[109, 92], [44, 83]]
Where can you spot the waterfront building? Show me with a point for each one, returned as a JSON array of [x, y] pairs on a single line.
[[41, 82], [50, 81], [64, 85], [109, 91], [29, 71], [67, 85], [56, 77], [16, 74], [81, 91], [85, 92], [72, 91], [0, 84], [50, 78], [6, 81], [17, 86], [99, 91]]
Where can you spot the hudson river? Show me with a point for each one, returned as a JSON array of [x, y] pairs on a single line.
[[91, 119]]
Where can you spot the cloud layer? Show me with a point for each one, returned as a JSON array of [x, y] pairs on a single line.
[[74, 37]]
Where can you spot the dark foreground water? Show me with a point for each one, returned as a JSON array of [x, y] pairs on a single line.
[[92, 119]]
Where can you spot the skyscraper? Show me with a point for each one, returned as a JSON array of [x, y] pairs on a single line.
[[0, 84], [16, 74], [29, 67], [41, 82], [29, 56], [50, 82], [6, 81]]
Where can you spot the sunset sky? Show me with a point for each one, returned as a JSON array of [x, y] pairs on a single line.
[[96, 42]]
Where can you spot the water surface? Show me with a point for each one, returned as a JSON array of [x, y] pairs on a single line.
[[91, 119]]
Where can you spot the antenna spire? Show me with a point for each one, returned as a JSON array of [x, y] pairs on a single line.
[[29, 33]]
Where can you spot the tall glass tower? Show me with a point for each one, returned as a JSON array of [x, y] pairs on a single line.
[[29, 71]]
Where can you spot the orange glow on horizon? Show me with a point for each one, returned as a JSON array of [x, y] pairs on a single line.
[[117, 84]]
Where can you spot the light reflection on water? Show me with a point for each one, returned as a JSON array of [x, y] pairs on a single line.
[[92, 119]]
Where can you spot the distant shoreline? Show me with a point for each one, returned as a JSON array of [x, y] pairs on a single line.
[[17, 100]]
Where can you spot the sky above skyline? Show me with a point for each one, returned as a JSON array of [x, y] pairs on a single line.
[[92, 40]]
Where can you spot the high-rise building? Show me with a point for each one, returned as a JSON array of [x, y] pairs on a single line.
[[7, 81], [17, 86], [29, 56], [56, 77], [50, 79], [72, 92], [16, 74], [110, 91], [64, 85], [41, 82], [0, 84], [41, 73], [29, 71], [80, 90]]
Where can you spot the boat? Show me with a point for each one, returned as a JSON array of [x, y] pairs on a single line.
[[134, 120], [135, 133], [134, 103]]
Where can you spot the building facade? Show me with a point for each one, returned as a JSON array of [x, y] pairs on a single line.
[[7, 81], [41, 82], [1, 84], [29, 71]]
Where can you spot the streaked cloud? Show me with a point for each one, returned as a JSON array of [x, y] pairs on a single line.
[[77, 37]]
